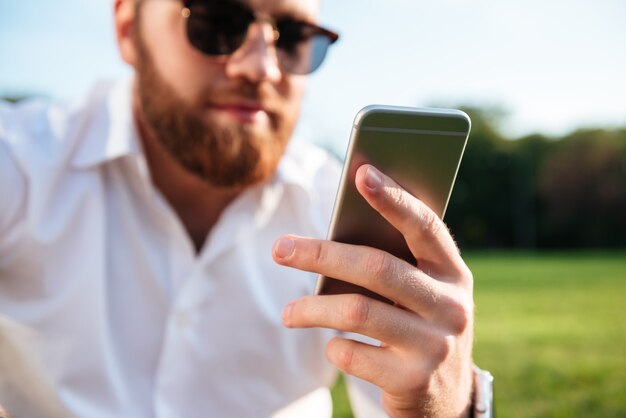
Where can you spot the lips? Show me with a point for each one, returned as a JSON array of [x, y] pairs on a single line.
[[243, 112]]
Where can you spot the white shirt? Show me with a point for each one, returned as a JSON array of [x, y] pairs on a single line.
[[106, 310]]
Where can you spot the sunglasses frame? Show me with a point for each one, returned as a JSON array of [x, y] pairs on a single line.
[[315, 30]]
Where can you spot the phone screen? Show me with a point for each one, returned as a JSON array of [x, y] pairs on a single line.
[[421, 149]]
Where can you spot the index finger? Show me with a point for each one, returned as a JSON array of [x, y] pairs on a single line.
[[367, 267], [425, 233]]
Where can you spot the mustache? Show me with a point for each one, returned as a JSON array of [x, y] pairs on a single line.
[[243, 91]]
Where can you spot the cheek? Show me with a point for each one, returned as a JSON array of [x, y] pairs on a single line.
[[180, 66], [293, 92]]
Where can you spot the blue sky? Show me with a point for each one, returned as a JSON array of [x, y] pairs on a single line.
[[553, 65]]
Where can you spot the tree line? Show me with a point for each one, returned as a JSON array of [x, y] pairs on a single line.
[[540, 192]]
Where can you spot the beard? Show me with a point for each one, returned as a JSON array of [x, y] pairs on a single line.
[[232, 156]]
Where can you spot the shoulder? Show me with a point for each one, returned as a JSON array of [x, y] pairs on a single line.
[[12, 189], [35, 125], [43, 133], [40, 145], [21, 122]]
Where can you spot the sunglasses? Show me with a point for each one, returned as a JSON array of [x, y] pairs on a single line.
[[220, 27]]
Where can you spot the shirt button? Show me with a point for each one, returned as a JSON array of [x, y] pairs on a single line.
[[181, 319]]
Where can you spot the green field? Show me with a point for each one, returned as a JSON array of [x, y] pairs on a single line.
[[551, 327]]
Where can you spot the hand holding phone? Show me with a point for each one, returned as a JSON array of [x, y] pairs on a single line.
[[391, 246], [423, 364]]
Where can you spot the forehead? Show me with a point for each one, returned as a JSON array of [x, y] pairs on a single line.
[[304, 9]]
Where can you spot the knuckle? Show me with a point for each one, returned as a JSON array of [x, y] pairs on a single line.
[[302, 309], [397, 196], [466, 276], [421, 386], [420, 380], [459, 313], [460, 321], [430, 222], [318, 253], [379, 264], [344, 356], [357, 311], [442, 349]]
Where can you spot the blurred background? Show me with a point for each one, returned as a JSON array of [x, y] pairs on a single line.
[[539, 207]]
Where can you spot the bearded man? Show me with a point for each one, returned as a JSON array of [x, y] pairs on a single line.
[[158, 241]]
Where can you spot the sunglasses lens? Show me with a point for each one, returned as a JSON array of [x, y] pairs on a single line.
[[301, 48], [218, 27]]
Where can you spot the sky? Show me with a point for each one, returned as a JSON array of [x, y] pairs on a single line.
[[552, 66]]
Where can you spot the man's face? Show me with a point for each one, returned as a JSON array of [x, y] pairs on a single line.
[[226, 119]]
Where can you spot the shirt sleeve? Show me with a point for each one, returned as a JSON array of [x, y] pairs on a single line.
[[12, 191]]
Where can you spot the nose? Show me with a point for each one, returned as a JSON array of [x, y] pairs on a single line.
[[256, 59]]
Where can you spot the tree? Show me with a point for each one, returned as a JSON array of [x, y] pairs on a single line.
[[582, 188]]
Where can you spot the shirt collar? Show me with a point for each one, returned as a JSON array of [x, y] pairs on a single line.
[[292, 169], [108, 130]]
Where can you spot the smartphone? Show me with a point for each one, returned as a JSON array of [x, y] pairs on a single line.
[[421, 149]]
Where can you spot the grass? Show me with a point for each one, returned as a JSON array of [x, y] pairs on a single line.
[[551, 327]]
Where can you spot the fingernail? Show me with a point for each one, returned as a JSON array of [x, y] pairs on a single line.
[[372, 178], [286, 315], [284, 248]]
